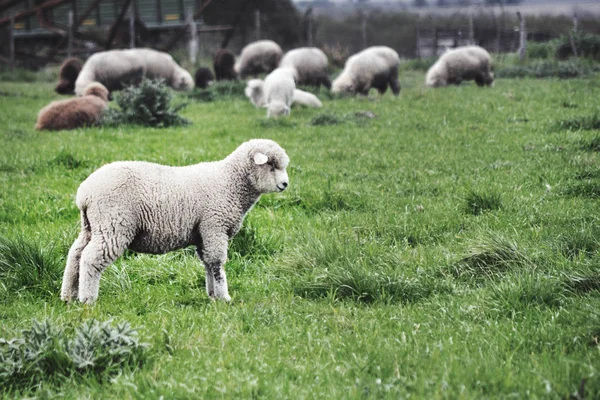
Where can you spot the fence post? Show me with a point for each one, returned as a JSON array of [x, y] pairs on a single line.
[[131, 27], [418, 51], [471, 29], [363, 29], [11, 41], [70, 38], [193, 43], [575, 21], [572, 43], [309, 27], [522, 37], [257, 24]]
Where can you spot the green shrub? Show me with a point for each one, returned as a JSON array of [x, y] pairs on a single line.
[[148, 104], [43, 353], [548, 69], [587, 45], [538, 50], [221, 90]]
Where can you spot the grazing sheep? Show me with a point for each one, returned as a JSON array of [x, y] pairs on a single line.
[[152, 208], [203, 77], [76, 112], [276, 93], [375, 67], [461, 64], [306, 99], [223, 64], [116, 69], [262, 56], [67, 75], [310, 64]]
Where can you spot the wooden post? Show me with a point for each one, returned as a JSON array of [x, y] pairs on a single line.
[[572, 43], [418, 33], [471, 29], [575, 21], [11, 41], [257, 24], [309, 27], [131, 27], [193, 43], [522, 37], [70, 39], [363, 29]]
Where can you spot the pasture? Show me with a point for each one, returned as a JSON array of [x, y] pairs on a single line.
[[446, 248]]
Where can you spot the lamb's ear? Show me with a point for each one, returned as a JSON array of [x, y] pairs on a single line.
[[260, 159]]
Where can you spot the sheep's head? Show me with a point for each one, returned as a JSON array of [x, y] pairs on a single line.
[[182, 80], [254, 91], [343, 85], [97, 89], [268, 163], [277, 109]]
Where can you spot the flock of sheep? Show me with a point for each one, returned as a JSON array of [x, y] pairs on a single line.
[[153, 208]]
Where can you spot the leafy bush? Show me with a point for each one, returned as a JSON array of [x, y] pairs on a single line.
[[43, 353], [587, 45], [539, 50], [221, 90], [148, 104], [548, 69]]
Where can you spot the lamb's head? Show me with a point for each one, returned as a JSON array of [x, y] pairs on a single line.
[[277, 109], [182, 80], [437, 75], [97, 89], [343, 84], [267, 163], [254, 91]]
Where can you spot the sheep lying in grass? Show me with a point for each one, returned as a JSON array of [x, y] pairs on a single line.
[[116, 69], [152, 208], [461, 64], [67, 75], [76, 112], [223, 64], [375, 67], [278, 92], [262, 56], [310, 64]]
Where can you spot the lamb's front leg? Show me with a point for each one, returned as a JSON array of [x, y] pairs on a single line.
[[214, 255]]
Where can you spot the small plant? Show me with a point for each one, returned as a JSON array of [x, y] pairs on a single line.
[[524, 291], [148, 104], [478, 203], [67, 160], [220, 90], [337, 53], [43, 353], [591, 145]]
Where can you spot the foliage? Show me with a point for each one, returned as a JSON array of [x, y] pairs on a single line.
[[220, 90], [43, 353], [587, 45], [548, 69], [148, 104]]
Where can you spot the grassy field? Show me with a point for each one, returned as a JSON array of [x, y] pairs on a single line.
[[447, 248]]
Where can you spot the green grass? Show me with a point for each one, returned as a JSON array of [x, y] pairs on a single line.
[[447, 247]]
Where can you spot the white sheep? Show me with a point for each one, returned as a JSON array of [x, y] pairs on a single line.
[[461, 64], [262, 56], [255, 92], [118, 68], [375, 67], [152, 208], [310, 64]]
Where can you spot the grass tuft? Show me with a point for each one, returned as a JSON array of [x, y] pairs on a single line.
[[68, 161], [251, 242], [42, 353], [585, 123], [490, 258], [220, 91], [326, 119], [27, 265], [478, 203], [592, 144], [524, 291]]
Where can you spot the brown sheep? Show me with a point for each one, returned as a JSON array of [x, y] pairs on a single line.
[[223, 64], [69, 71], [76, 112]]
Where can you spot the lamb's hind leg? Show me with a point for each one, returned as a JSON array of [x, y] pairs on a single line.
[[70, 281], [96, 256]]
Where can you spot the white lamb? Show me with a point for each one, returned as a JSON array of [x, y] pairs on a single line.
[[375, 67], [152, 208], [461, 64], [310, 64], [258, 57], [116, 69], [255, 92]]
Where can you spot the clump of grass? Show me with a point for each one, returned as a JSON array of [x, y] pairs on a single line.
[[585, 123], [250, 242], [586, 183], [326, 119], [592, 144], [477, 203], [269, 123], [220, 90], [582, 281], [548, 69], [25, 264], [579, 243], [490, 258], [526, 290], [148, 104], [43, 353], [67, 160]]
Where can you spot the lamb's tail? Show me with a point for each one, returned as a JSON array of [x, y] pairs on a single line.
[[306, 99]]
